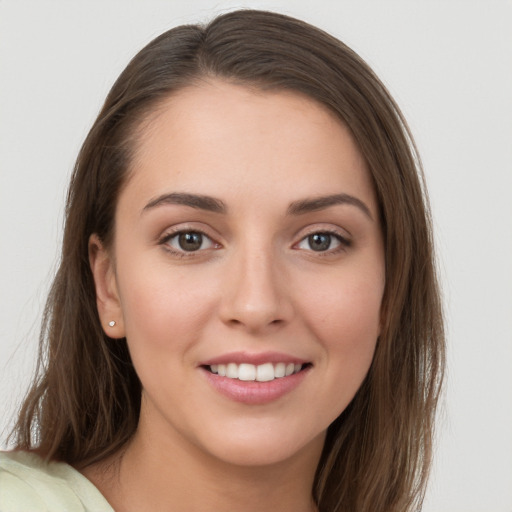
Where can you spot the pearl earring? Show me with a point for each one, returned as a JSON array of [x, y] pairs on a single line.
[[112, 323]]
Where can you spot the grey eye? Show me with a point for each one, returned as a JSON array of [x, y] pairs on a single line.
[[319, 241]]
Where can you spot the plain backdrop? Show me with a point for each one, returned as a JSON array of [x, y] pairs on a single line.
[[449, 66]]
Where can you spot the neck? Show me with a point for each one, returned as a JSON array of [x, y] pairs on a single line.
[[178, 476]]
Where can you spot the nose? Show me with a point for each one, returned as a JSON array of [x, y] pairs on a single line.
[[256, 295]]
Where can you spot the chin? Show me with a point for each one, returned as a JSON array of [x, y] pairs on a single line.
[[266, 448]]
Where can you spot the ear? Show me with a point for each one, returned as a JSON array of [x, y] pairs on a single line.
[[107, 295]]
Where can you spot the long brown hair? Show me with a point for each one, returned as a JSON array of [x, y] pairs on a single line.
[[84, 403]]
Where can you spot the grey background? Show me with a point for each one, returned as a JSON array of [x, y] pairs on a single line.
[[449, 66]]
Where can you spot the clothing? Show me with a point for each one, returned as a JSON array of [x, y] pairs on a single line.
[[28, 484]]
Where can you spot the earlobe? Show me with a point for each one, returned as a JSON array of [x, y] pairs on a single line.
[[107, 296]]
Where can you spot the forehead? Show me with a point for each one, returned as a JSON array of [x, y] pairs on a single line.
[[216, 135]]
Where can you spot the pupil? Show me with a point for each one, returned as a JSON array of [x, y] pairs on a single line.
[[319, 241], [190, 241]]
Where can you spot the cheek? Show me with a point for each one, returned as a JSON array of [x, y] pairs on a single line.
[[163, 309], [344, 313]]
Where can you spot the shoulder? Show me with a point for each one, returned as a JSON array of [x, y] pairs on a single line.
[[27, 482]]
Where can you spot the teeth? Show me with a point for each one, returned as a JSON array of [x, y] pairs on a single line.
[[232, 371], [250, 372], [279, 370], [247, 372], [265, 372]]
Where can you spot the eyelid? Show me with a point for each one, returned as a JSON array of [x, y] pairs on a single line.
[[324, 228]]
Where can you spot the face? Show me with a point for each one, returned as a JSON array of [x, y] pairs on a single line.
[[247, 272]]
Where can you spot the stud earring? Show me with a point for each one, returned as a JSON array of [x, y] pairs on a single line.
[[112, 323]]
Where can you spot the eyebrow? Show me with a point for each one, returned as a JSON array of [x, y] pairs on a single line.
[[193, 200], [300, 207], [319, 203]]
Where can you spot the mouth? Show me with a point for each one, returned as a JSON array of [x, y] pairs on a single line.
[[255, 378], [265, 372]]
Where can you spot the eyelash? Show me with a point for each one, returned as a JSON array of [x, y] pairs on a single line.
[[344, 243]]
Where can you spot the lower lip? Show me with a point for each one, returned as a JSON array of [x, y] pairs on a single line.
[[254, 392]]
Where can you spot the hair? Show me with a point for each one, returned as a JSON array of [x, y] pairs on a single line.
[[84, 402]]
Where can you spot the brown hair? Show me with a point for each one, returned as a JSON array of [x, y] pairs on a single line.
[[84, 404]]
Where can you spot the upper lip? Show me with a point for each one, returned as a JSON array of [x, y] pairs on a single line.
[[254, 358]]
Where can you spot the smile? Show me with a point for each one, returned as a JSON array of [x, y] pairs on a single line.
[[255, 378], [261, 373]]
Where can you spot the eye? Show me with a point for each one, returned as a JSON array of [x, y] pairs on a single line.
[[322, 242], [189, 241]]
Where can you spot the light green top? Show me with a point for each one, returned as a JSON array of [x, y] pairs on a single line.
[[28, 484]]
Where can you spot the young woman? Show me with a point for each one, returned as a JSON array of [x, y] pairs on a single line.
[[246, 314]]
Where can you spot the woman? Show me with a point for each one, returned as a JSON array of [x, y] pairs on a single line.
[[246, 315]]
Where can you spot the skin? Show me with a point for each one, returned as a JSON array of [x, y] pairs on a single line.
[[255, 285]]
